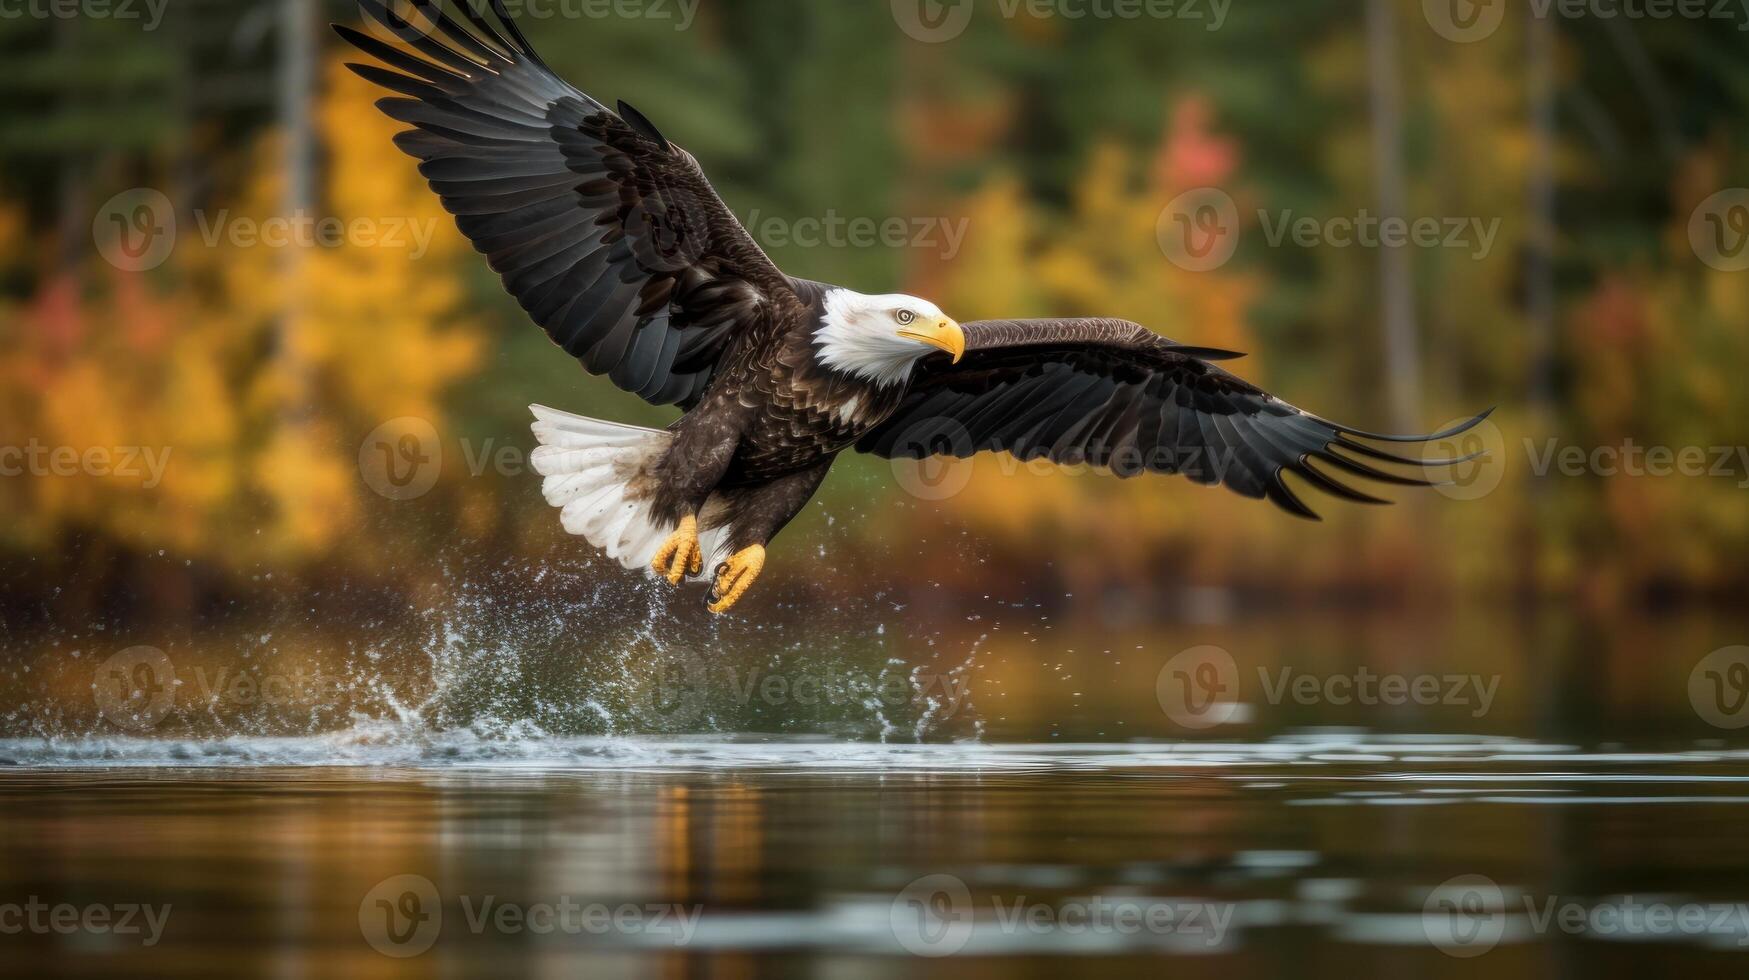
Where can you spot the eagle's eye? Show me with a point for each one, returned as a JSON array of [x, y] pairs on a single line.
[[905, 317]]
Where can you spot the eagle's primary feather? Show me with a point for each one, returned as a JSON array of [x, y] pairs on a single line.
[[615, 243]]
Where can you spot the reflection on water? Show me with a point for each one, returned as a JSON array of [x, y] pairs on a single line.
[[1250, 796], [1323, 854]]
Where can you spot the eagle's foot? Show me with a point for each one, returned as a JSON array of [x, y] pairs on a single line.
[[735, 577], [680, 555]]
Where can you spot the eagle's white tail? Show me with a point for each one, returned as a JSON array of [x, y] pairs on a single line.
[[593, 470]]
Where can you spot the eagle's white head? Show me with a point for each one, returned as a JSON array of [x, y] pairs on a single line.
[[879, 338]]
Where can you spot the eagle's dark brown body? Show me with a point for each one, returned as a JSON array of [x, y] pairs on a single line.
[[767, 428]]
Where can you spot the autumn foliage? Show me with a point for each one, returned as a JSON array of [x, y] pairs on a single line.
[[260, 372]]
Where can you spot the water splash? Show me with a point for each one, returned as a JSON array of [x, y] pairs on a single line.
[[509, 655]]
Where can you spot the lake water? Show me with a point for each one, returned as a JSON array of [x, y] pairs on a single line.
[[1016, 795]]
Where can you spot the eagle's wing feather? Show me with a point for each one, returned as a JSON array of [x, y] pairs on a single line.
[[1113, 394], [609, 236]]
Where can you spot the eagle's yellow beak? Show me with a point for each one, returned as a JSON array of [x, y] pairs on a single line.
[[944, 334]]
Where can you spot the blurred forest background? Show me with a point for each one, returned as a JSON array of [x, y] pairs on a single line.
[[1054, 143]]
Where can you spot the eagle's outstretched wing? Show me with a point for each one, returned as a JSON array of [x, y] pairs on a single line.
[[1113, 394], [607, 234]]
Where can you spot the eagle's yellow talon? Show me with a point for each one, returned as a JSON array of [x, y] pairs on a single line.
[[680, 553], [735, 577]]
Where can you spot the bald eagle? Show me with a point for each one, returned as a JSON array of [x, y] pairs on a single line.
[[613, 241]]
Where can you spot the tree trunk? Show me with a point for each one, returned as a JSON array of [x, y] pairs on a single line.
[[1396, 276]]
